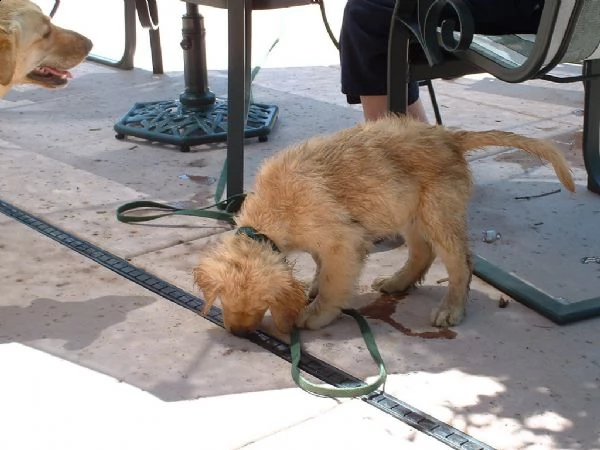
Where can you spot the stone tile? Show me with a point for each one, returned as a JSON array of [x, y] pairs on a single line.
[[71, 407], [62, 303], [353, 425]]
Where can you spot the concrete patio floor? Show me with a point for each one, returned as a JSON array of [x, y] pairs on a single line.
[[90, 360]]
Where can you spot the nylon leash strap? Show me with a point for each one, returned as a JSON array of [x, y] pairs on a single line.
[[339, 391]]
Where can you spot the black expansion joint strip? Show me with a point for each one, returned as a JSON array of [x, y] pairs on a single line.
[[320, 369]]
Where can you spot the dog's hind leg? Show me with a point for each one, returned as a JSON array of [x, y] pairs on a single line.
[[449, 240], [341, 263], [420, 258]]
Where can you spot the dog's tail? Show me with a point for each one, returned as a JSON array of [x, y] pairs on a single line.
[[471, 140]]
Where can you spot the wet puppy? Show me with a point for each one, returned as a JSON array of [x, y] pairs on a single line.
[[331, 197]]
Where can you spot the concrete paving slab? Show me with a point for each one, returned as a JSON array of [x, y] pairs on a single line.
[[544, 233], [62, 303], [506, 375], [492, 373], [495, 362], [70, 407], [85, 204], [353, 425]]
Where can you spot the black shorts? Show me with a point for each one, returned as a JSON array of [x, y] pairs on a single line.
[[365, 31]]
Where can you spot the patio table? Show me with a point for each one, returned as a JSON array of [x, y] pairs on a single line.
[[239, 13], [199, 117]]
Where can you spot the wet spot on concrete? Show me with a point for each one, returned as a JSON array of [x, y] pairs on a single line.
[[384, 308], [197, 163], [525, 160], [202, 179]]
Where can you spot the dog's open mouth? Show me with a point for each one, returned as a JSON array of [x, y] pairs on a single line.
[[50, 76]]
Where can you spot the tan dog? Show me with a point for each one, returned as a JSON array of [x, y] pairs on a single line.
[[33, 50], [331, 197]]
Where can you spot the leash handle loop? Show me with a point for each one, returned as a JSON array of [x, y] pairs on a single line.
[[123, 211], [340, 391]]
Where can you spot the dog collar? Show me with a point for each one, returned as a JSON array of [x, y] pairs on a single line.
[[256, 236]]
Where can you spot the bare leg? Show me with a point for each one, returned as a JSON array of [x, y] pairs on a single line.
[[375, 107]]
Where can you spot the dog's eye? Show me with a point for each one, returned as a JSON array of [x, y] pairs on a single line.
[[47, 34]]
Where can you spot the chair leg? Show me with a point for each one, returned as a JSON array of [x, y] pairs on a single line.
[[126, 61], [397, 75], [54, 8], [591, 125], [155, 48], [434, 103]]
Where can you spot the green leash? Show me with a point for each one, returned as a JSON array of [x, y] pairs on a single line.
[[343, 391], [124, 215], [225, 209], [124, 211]]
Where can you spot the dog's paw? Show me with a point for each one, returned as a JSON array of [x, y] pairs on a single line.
[[445, 316], [313, 317], [389, 285]]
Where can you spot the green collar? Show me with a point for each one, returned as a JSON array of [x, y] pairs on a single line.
[[256, 236]]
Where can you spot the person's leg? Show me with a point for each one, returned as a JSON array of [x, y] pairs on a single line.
[[363, 58], [364, 39], [375, 107]]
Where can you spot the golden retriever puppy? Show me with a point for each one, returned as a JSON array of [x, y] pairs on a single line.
[[33, 50], [331, 197]]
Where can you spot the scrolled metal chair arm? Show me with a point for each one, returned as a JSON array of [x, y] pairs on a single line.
[[433, 28]]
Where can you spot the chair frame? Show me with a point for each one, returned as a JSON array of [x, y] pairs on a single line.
[[147, 11], [418, 20], [443, 56]]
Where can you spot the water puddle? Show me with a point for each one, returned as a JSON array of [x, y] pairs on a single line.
[[384, 308], [202, 179]]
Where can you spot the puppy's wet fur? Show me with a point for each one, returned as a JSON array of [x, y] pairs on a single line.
[[331, 196]]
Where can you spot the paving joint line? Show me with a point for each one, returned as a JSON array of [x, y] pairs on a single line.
[[322, 370]]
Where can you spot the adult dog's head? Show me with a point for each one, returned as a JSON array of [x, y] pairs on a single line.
[[33, 50], [249, 278]]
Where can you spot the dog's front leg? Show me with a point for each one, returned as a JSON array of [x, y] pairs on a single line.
[[338, 270]]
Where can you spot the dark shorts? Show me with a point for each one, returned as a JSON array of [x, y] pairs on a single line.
[[365, 31]]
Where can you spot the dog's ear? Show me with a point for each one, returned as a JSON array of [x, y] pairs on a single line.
[[207, 284], [8, 56], [287, 305]]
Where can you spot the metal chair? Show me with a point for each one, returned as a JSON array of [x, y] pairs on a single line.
[[568, 33], [147, 11]]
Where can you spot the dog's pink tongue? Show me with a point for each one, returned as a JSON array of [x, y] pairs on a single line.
[[56, 72]]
